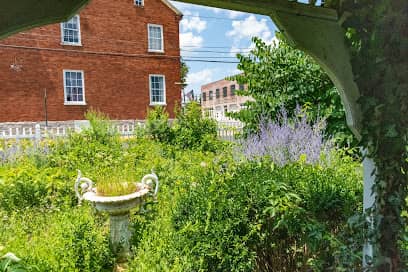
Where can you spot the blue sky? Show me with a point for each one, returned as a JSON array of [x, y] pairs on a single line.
[[217, 34]]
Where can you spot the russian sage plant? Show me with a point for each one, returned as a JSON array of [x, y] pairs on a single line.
[[287, 140]]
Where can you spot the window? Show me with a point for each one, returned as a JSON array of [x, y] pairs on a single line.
[[211, 112], [232, 90], [157, 90], [224, 91], [71, 31], [74, 90], [155, 33], [139, 3], [204, 96], [210, 95], [241, 87], [217, 93]]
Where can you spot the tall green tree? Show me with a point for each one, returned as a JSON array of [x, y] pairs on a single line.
[[281, 76], [184, 69]]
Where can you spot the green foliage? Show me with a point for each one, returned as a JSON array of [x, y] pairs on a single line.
[[376, 35], [255, 217], [157, 125], [99, 145], [184, 72], [190, 130], [193, 130], [67, 240], [101, 129], [27, 186], [213, 213], [11, 264], [281, 76]]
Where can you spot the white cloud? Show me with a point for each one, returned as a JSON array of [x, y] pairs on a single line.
[[248, 28], [232, 14], [193, 23], [190, 40], [236, 48], [215, 10], [234, 72], [201, 77]]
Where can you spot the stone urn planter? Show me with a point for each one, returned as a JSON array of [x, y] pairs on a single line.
[[118, 208]]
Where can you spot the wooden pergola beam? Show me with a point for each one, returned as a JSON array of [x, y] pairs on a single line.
[[265, 7], [19, 15]]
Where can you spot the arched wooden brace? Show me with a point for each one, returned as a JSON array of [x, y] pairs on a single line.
[[323, 38]]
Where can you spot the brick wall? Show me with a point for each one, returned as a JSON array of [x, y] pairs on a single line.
[[113, 56], [216, 106]]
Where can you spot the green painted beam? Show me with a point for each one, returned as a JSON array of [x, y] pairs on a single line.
[[19, 15], [265, 7]]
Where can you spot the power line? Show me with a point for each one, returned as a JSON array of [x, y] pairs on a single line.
[[183, 50], [211, 51], [88, 37], [211, 61], [215, 47], [189, 48], [214, 18], [209, 57], [114, 54]]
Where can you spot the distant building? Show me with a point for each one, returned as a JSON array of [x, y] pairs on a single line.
[[219, 97]]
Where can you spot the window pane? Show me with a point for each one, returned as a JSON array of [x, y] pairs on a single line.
[[74, 87], [70, 31], [155, 38], [232, 90], [157, 89]]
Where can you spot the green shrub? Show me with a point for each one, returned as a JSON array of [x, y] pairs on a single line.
[[190, 130], [101, 128], [255, 217], [158, 126], [194, 131], [67, 240], [11, 263], [27, 186]]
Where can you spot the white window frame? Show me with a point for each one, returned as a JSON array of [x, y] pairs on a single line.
[[148, 39], [79, 43], [137, 5], [164, 90], [70, 103]]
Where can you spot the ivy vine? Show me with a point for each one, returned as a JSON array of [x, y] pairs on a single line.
[[377, 32]]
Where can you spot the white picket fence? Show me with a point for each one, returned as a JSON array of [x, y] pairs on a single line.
[[34, 133], [226, 130]]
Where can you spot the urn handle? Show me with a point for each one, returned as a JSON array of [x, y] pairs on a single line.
[[82, 185], [148, 180]]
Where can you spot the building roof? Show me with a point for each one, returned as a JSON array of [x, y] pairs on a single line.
[[172, 7]]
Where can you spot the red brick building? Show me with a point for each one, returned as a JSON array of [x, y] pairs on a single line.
[[119, 57], [218, 98]]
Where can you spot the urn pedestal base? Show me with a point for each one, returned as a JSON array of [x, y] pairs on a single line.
[[120, 236]]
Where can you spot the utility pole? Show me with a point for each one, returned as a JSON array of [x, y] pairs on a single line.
[[45, 107]]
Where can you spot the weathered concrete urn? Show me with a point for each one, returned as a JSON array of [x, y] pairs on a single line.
[[118, 208]]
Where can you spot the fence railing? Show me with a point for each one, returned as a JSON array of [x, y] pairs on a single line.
[[226, 130]]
